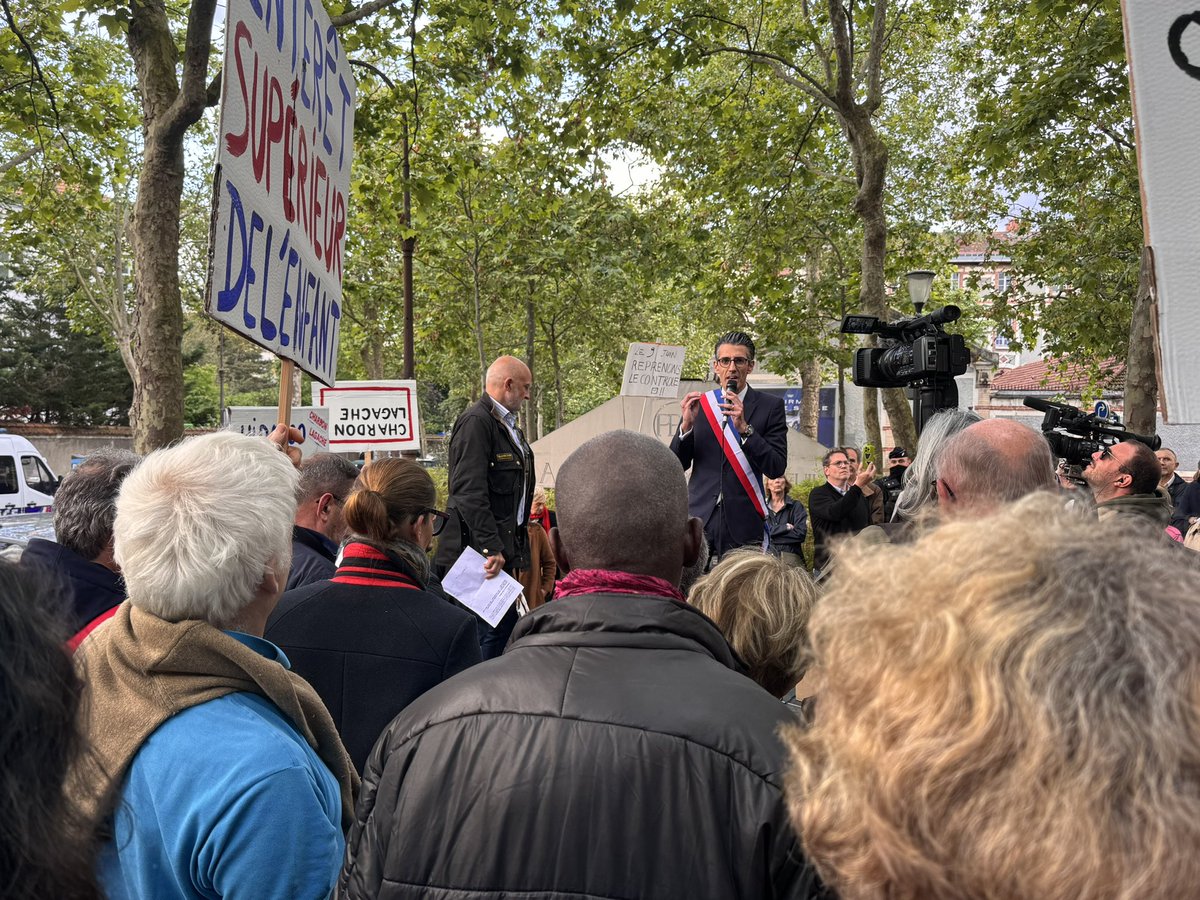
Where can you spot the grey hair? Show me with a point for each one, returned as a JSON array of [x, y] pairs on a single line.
[[997, 461], [199, 525], [85, 504], [325, 473], [918, 494]]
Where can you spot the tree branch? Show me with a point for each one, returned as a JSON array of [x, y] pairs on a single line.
[[783, 69], [192, 99], [33, 61], [367, 9], [22, 157], [212, 94], [843, 52], [874, 73]]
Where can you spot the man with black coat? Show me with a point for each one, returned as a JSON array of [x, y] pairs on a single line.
[[491, 487], [614, 750], [320, 525], [731, 438], [838, 506], [81, 556]]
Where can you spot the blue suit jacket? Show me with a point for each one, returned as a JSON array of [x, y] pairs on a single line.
[[734, 523]]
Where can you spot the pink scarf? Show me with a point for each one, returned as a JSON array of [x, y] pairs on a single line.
[[605, 581]]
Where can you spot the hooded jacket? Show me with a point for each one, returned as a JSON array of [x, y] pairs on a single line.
[[614, 750], [1155, 508]]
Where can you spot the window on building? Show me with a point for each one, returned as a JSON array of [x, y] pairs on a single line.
[[1003, 281], [954, 281]]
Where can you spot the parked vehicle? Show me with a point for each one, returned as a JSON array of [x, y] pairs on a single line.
[[27, 484]]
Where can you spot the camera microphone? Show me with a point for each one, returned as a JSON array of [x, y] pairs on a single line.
[[1040, 405]]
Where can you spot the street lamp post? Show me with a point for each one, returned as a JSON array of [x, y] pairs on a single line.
[[920, 285]]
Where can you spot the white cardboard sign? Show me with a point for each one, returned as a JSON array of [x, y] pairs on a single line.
[[282, 179], [1163, 42], [311, 422], [652, 370], [372, 415]]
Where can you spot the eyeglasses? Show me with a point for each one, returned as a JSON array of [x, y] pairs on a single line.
[[1106, 453], [726, 361], [439, 519], [840, 462]]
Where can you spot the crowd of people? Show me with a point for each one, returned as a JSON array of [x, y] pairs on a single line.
[[240, 675]]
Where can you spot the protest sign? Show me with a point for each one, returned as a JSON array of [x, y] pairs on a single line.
[[283, 174], [372, 415], [1163, 43], [260, 420], [652, 370]]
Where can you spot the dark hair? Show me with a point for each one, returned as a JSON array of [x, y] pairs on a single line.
[[391, 492], [830, 455], [857, 455], [85, 504], [325, 473], [737, 338], [1143, 469], [45, 849]]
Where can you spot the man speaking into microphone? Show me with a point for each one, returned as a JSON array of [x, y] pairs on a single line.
[[731, 438]]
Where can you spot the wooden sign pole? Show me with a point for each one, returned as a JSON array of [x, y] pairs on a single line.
[[286, 377]]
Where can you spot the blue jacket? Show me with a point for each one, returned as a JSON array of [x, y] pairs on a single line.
[[257, 814], [93, 588]]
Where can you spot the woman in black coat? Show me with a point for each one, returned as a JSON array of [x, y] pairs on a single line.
[[787, 522], [373, 638]]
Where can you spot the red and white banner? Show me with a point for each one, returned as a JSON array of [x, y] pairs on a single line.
[[731, 445]]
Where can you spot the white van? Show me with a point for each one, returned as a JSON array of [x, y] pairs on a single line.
[[26, 483]]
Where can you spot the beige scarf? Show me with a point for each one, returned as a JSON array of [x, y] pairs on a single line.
[[140, 670]]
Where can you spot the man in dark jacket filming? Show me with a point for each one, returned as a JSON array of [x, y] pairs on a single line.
[[614, 750]]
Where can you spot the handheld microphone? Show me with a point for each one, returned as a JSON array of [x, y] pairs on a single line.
[[731, 387]]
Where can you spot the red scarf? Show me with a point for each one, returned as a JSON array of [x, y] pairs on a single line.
[[606, 581], [543, 517]]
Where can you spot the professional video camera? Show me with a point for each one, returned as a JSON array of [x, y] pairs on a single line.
[[1074, 435], [916, 354]]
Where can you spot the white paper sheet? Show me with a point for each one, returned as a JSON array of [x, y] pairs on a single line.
[[490, 597]]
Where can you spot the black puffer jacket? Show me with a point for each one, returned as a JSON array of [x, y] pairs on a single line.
[[613, 751]]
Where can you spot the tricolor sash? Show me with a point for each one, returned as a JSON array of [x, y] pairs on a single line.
[[731, 446]]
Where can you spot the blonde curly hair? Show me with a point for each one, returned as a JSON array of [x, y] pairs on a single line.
[[761, 605], [1010, 709]]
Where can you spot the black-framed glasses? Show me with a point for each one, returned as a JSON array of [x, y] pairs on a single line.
[[438, 519], [1106, 453], [726, 361]]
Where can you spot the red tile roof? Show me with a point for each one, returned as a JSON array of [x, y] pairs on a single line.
[[1044, 377]]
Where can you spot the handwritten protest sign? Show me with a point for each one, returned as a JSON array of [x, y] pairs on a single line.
[[652, 370], [310, 421], [283, 174], [372, 415], [1163, 43]]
